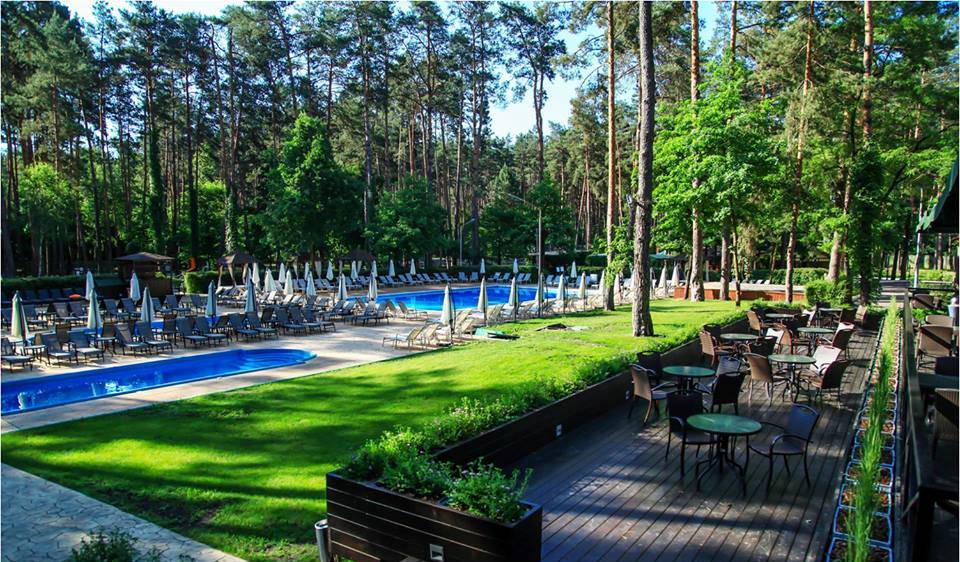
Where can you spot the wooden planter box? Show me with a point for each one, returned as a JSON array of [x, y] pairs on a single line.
[[370, 523]]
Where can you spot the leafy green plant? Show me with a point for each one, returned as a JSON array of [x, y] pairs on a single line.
[[198, 281], [418, 475], [112, 546], [487, 491], [822, 290], [377, 455]]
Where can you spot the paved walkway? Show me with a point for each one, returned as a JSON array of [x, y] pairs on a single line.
[[43, 521]]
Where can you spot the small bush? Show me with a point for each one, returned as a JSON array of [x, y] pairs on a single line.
[[418, 475], [487, 491], [377, 455], [112, 546], [198, 281], [12, 284], [825, 291]]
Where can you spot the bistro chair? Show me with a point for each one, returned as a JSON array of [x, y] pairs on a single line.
[[761, 371], [726, 387], [710, 349], [938, 320], [830, 378], [935, 341], [652, 361], [756, 323], [643, 390], [680, 406], [792, 440]]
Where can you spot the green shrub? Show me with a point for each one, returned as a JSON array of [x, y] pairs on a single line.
[[801, 275], [198, 281], [418, 475], [12, 284], [112, 546], [825, 291], [391, 448], [487, 491]]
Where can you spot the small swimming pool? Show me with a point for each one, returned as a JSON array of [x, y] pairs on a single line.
[[45, 392], [463, 297]]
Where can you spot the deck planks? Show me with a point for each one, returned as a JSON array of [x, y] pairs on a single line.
[[607, 493]]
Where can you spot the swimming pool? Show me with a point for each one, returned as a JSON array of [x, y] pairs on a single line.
[[45, 392], [463, 297]]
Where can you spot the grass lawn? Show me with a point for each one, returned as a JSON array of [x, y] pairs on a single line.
[[244, 471]]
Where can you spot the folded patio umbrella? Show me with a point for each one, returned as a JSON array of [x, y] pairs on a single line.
[[211, 301], [583, 290], [516, 266], [482, 300], [251, 304], [413, 267], [89, 287], [311, 289], [390, 271], [372, 291], [296, 273], [353, 269], [283, 271], [448, 312], [373, 268], [663, 278], [603, 279], [562, 293], [288, 284], [19, 329], [306, 271], [256, 276], [329, 270], [483, 267], [514, 300], [134, 287], [342, 289], [675, 279], [269, 285], [318, 267], [147, 312], [573, 270], [94, 321]]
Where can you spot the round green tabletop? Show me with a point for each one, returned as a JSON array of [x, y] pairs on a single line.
[[815, 330], [688, 371], [724, 424], [738, 337], [793, 359], [780, 316], [831, 310]]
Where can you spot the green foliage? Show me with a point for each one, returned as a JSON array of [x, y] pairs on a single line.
[[826, 291], [56, 281], [418, 475], [507, 229], [409, 222], [558, 227], [312, 202], [865, 210], [112, 546], [801, 275], [487, 491], [198, 281]]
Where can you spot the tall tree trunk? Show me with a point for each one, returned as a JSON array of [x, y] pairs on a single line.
[[725, 234], [194, 203], [798, 171], [642, 321], [367, 137], [611, 152], [696, 239], [864, 272]]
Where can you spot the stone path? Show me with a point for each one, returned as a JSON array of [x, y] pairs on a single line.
[[43, 521]]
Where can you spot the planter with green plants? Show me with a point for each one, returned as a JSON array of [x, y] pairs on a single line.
[[862, 528]]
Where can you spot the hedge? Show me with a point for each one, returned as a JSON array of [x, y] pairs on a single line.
[[801, 275], [198, 281], [58, 282]]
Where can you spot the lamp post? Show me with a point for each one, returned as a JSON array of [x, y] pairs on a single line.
[[464, 225], [539, 232]]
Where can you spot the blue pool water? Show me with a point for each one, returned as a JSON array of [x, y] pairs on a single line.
[[44, 392], [463, 297]]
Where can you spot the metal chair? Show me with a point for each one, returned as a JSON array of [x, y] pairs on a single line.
[[642, 389], [680, 406], [792, 440]]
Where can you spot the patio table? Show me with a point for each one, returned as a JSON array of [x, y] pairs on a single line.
[[792, 361], [725, 427], [780, 316], [687, 374]]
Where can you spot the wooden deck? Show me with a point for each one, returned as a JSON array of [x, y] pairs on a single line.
[[608, 494]]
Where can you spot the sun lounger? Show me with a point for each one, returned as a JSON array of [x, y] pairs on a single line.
[[410, 313], [236, 324], [147, 336], [310, 317], [287, 325], [11, 357], [187, 334], [254, 323], [202, 327], [53, 349], [80, 342], [410, 338]]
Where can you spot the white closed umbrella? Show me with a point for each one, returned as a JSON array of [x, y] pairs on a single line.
[[329, 270], [573, 270], [390, 271], [269, 284], [540, 294], [251, 303], [482, 300], [603, 279], [516, 266], [373, 268], [211, 301], [583, 290], [296, 273], [256, 275], [514, 299], [413, 267], [483, 267], [94, 322], [288, 284], [675, 279], [353, 270], [134, 287], [283, 271], [318, 267], [562, 293], [311, 289], [372, 291], [662, 284], [448, 312], [89, 287], [19, 329], [306, 271], [342, 289], [147, 312]]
